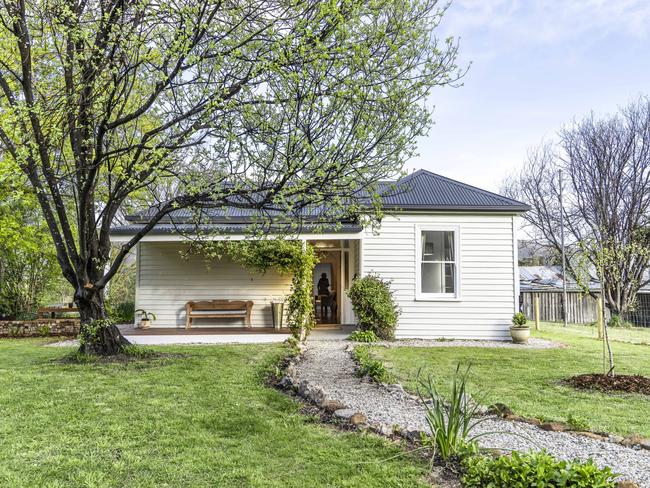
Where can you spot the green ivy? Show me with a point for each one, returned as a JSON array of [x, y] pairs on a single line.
[[90, 333], [288, 257]]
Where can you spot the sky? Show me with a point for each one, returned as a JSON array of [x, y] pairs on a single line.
[[535, 65]]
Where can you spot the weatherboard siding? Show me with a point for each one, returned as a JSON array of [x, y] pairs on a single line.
[[488, 289], [487, 275], [166, 282]]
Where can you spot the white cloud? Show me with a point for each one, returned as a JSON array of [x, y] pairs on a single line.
[[549, 21]]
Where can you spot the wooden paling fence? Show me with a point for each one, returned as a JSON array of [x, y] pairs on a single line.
[[581, 308]]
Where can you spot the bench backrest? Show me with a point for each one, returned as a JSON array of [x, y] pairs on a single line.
[[209, 305]]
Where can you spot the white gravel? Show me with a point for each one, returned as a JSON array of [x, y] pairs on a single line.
[[327, 365], [533, 343]]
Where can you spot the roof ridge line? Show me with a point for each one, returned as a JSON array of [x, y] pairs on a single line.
[[465, 185]]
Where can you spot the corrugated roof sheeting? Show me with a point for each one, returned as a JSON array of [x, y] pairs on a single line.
[[549, 278], [233, 228], [424, 189], [419, 191]]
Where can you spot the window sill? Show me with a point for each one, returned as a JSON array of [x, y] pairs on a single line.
[[424, 298]]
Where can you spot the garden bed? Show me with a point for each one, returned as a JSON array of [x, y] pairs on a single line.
[[615, 383]]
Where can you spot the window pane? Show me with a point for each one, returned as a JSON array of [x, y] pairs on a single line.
[[437, 246], [438, 278]]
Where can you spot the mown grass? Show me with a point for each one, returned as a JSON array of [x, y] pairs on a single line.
[[199, 417], [634, 335], [530, 381]]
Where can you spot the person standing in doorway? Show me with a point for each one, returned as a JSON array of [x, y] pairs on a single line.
[[323, 293]]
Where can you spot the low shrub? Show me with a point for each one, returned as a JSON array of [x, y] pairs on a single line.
[[617, 321], [363, 336], [368, 366], [534, 469], [374, 306], [450, 419], [121, 312], [577, 423]]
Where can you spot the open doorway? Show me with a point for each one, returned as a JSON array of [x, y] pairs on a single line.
[[338, 259], [327, 288]]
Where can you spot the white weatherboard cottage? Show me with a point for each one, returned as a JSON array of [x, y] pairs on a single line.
[[449, 249]]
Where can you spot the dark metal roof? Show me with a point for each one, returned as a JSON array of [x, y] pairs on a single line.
[[419, 191], [424, 190], [228, 228], [213, 214]]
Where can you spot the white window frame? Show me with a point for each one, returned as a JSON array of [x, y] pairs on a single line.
[[448, 297]]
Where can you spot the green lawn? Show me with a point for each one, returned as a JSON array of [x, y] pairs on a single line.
[[634, 335], [204, 419], [529, 380]]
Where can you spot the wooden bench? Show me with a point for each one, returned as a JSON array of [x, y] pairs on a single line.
[[53, 314], [218, 309]]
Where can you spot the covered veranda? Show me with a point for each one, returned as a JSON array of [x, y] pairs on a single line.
[[220, 335]]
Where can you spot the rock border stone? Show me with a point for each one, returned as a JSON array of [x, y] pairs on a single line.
[[634, 441], [320, 355], [334, 408], [316, 396]]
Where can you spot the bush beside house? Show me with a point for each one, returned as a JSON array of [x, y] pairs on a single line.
[[374, 306]]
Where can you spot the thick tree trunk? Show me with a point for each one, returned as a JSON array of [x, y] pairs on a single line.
[[97, 335]]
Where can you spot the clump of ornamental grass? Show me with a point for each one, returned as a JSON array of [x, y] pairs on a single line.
[[451, 419]]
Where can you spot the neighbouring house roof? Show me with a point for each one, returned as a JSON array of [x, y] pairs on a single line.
[[419, 191], [549, 278]]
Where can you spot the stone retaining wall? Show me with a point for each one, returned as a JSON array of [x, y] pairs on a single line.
[[33, 328]]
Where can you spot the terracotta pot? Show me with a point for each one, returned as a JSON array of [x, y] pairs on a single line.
[[520, 335], [145, 324]]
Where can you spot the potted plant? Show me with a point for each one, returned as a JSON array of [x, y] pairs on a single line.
[[519, 331], [145, 318]]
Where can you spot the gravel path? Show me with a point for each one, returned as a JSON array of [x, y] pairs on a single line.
[[327, 365], [533, 343]]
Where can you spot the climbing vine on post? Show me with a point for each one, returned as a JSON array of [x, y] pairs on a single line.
[[287, 257]]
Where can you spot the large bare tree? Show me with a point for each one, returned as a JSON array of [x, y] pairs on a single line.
[[605, 164], [271, 105]]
